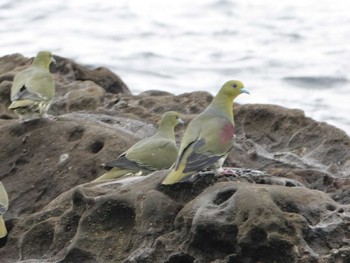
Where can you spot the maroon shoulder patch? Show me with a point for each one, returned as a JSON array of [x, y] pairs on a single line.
[[226, 134]]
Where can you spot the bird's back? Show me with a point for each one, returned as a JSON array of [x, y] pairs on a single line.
[[36, 80], [19, 81], [154, 153]]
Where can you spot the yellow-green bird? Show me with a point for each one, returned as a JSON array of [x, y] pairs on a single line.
[[4, 203], [157, 152], [33, 88], [209, 136]]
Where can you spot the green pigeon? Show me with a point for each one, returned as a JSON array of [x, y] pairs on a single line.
[[157, 152], [33, 88], [4, 203], [209, 136]]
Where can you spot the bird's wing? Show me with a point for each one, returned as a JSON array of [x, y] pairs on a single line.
[[34, 84], [190, 137], [197, 160], [154, 154], [19, 83], [122, 162], [4, 200], [213, 142]]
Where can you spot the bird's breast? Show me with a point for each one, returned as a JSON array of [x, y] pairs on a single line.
[[226, 134]]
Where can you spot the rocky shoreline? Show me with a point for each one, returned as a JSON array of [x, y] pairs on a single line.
[[287, 199]]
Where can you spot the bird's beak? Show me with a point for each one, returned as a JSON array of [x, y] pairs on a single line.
[[53, 61], [244, 91], [181, 121]]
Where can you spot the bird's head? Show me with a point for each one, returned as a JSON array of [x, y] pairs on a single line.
[[171, 119], [44, 59], [233, 88]]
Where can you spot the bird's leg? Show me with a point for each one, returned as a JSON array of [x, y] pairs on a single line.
[[139, 173], [24, 139], [218, 165]]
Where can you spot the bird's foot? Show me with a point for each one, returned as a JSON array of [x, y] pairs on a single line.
[[50, 117], [227, 171]]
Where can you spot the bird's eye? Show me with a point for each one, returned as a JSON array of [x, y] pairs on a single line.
[[177, 117], [234, 85]]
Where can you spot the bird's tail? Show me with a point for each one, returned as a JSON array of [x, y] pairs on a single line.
[[3, 230], [175, 176], [20, 104], [112, 174]]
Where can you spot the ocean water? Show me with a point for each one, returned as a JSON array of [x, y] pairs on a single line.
[[292, 53]]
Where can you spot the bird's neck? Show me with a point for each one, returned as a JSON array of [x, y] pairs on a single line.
[[40, 63], [223, 104], [166, 131]]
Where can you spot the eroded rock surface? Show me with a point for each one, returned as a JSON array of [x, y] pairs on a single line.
[[287, 200]]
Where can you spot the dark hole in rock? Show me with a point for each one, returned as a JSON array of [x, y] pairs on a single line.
[[70, 222], [288, 207], [219, 238], [78, 255], [244, 215], [111, 215], [258, 235], [107, 120], [331, 207], [21, 161], [78, 199], [275, 251], [224, 196], [93, 172], [261, 180], [328, 180], [180, 258], [276, 126], [290, 184], [96, 146], [76, 134], [13, 170], [5, 117]]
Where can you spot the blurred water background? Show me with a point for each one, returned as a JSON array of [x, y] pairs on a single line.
[[292, 53]]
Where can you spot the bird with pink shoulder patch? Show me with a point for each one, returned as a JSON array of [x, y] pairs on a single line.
[[208, 137]]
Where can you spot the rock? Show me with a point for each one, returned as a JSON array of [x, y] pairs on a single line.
[[88, 96], [10, 62], [285, 200], [285, 143], [224, 220], [44, 158], [101, 76]]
